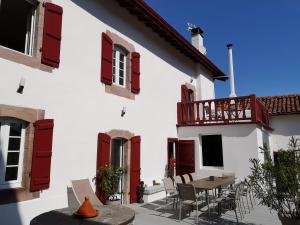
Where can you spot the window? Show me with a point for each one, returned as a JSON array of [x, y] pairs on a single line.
[[12, 135], [119, 66], [212, 152], [17, 25]]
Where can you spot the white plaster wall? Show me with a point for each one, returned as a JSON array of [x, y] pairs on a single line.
[[205, 84], [240, 143], [285, 127], [75, 98]]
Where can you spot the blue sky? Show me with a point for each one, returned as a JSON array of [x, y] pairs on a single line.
[[265, 36]]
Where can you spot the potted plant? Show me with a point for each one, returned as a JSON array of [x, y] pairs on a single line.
[[108, 183], [277, 183]]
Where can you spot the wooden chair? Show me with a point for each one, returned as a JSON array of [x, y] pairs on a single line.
[[82, 188]]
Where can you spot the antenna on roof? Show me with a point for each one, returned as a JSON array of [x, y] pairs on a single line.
[[191, 27]]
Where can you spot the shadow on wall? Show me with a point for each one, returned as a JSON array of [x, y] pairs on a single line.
[[111, 13], [9, 213]]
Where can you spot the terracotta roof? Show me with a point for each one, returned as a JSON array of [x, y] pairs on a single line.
[[152, 19], [282, 105]]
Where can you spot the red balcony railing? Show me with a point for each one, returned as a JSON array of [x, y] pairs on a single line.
[[246, 109]]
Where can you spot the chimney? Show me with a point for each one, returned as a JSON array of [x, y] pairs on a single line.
[[231, 73], [197, 39]]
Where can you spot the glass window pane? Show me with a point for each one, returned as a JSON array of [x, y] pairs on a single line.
[[114, 53], [11, 173], [15, 129], [122, 57], [121, 65], [114, 70], [14, 144], [121, 81], [121, 73], [12, 158]]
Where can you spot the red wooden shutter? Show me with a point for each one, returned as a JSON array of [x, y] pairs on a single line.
[[107, 59], [185, 157], [184, 100], [135, 168], [135, 72], [103, 158], [41, 156], [52, 35]]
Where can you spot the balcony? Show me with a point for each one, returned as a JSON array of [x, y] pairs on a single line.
[[239, 110]]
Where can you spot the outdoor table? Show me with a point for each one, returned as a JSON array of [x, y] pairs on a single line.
[[207, 184], [108, 215]]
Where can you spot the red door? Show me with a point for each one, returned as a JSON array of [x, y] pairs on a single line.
[[185, 157], [135, 168]]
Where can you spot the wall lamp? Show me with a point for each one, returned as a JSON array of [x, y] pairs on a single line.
[[21, 85]]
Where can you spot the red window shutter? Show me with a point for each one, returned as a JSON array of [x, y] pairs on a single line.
[[103, 159], [52, 35], [184, 100], [135, 168], [107, 59], [41, 157], [185, 157], [184, 94], [135, 72]]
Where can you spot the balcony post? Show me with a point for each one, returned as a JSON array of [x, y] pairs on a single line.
[[253, 108]]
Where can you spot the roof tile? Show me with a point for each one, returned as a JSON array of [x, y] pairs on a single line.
[[282, 105]]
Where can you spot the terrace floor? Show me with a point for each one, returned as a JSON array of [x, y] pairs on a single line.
[[151, 214]]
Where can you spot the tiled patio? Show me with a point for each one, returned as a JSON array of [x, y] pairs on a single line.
[[151, 214]]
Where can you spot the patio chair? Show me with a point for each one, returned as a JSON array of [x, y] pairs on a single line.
[[187, 196], [82, 188], [234, 201], [187, 178], [171, 191], [177, 180]]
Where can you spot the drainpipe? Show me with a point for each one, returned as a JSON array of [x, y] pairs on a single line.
[[231, 73]]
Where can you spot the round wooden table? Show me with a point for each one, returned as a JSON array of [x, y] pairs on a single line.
[[108, 215]]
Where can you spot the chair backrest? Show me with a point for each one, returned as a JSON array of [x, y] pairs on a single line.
[[82, 188], [186, 192], [177, 180], [228, 174], [168, 184], [186, 178]]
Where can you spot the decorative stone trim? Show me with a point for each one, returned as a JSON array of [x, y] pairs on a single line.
[[30, 116], [115, 89], [127, 156], [33, 61]]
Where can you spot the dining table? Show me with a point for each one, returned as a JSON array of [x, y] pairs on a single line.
[[211, 183], [107, 215]]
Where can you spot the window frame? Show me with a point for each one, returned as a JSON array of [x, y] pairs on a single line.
[[202, 152], [115, 89], [29, 116], [33, 61], [30, 31], [117, 51], [5, 136]]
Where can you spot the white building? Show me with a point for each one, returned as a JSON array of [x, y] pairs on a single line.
[[89, 83]]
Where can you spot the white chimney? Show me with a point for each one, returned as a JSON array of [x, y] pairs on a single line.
[[231, 73], [197, 39]]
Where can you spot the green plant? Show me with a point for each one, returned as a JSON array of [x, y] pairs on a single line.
[[109, 180], [277, 183]]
